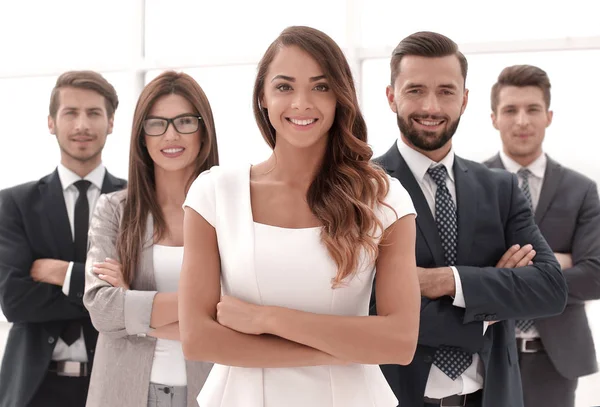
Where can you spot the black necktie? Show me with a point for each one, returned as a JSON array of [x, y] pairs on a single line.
[[451, 361], [82, 220], [525, 324], [72, 330]]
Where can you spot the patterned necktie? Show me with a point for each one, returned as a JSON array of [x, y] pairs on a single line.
[[451, 361], [72, 330], [525, 324]]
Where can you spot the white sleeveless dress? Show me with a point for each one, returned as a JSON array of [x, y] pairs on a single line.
[[291, 268]]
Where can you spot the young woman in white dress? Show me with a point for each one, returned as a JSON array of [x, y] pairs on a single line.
[[139, 359], [279, 257]]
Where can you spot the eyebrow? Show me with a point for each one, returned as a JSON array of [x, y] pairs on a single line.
[[90, 109], [412, 85], [292, 79], [512, 106]]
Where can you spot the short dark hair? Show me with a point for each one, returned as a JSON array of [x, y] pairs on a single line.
[[84, 80], [426, 44], [521, 76]]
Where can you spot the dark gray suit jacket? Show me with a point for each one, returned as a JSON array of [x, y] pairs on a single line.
[[568, 215], [34, 225], [493, 215]]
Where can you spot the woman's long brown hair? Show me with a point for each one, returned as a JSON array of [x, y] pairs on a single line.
[[347, 187], [141, 199]]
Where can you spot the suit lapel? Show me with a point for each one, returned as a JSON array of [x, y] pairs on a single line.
[[466, 200], [111, 184], [55, 210], [552, 178], [495, 162], [397, 167]]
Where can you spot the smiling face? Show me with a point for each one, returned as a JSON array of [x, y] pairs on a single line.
[[298, 99], [81, 125], [428, 97], [173, 151], [522, 118]]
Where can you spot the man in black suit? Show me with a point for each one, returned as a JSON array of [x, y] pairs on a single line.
[[556, 351], [482, 260], [43, 245]]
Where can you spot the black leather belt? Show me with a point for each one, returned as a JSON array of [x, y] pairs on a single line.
[[454, 401], [530, 345], [68, 368]]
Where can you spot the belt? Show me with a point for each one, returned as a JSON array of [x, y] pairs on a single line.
[[530, 345], [68, 368], [454, 401]]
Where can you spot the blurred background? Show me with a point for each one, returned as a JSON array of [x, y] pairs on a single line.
[[219, 43]]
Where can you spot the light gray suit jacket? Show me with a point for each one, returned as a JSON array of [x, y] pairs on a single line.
[[124, 354], [568, 215]]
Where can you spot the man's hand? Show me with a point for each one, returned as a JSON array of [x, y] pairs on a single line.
[[565, 260], [49, 271], [517, 256], [436, 282]]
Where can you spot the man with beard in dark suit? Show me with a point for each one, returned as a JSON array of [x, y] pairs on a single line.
[[43, 247], [482, 260]]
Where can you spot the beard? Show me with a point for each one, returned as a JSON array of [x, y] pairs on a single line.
[[423, 139]]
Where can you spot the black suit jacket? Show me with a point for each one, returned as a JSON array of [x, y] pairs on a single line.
[[34, 224], [568, 215], [493, 215]]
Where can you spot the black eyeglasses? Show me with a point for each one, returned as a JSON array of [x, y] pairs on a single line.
[[184, 124]]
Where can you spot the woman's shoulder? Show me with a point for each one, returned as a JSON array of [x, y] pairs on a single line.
[[396, 204], [221, 174]]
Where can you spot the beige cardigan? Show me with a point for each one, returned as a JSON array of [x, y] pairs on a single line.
[[124, 354]]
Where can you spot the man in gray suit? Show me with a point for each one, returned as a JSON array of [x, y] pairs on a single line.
[[555, 351]]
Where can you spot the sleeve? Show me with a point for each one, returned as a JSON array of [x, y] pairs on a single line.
[[397, 204], [114, 311], [536, 291], [583, 279], [67, 283], [201, 196], [21, 298]]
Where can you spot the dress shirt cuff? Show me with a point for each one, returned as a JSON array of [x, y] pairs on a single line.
[[67, 283], [485, 326], [459, 297]]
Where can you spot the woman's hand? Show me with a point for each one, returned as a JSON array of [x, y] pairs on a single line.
[[240, 316], [111, 272]]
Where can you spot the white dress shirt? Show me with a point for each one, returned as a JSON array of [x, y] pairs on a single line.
[[536, 180], [438, 384], [77, 351]]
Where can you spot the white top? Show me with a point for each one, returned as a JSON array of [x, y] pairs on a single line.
[[536, 181], [76, 352], [439, 385], [168, 367], [290, 268]]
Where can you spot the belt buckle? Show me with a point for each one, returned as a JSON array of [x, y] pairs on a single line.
[[71, 369], [462, 402], [523, 346]]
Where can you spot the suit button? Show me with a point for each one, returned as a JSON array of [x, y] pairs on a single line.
[[428, 359], [51, 340], [92, 350], [79, 295], [167, 390], [479, 317]]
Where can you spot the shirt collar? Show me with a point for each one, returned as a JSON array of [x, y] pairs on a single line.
[[419, 163], [68, 177], [537, 167]]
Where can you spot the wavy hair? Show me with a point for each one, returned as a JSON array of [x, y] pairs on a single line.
[[141, 198], [348, 186]]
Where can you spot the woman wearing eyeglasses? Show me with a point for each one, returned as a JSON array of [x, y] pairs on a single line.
[[136, 252]]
